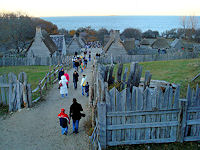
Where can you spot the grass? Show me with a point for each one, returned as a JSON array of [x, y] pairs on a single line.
[[175, 71], [34, 73]]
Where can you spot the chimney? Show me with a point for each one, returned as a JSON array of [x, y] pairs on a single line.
[[116, 34], [38, 33]]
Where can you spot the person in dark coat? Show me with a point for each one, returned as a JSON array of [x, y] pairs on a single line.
[[87, 89], [61, 73], [75, 113], [64, 121], [77, 64], [75, 79]]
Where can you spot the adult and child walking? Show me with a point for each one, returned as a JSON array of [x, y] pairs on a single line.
[[74, 113]]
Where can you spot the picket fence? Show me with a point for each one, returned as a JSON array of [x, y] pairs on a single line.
[[144, 112], [36, 61]]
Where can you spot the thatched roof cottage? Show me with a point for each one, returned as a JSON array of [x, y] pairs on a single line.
[[115, 45], [161, 43], [42, 45], [177, 44], [74, 45], [59, 40]]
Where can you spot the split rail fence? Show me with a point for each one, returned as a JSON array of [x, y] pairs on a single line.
[[139, 112]]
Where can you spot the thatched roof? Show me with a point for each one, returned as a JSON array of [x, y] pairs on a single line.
[[114, 37], [161, 43], [145, 42], [48, 42], [76, 39], [176, 42]]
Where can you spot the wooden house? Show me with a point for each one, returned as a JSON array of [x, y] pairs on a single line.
[[59, 40], [42, 45], [74, 45], [115, 46]]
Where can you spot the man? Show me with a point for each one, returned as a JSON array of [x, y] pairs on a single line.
[[75, 79], [75, 113], [64, 120], [83, 83], [87, 89]]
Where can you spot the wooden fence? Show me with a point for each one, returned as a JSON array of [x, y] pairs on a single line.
[[144, 58], [50, 78], [144, 112], [16, 92], [35, 61]]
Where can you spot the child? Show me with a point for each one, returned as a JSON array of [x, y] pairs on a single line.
[[67, 77], [64, 120], [63, 86], [83, 83], [87, 89]]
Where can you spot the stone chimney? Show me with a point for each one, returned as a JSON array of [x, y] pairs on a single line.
[[38, 33]]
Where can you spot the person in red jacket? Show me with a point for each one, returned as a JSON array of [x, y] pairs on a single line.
[[64, 120], [67, 77]]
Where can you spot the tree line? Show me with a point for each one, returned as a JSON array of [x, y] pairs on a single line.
[[18, 29]]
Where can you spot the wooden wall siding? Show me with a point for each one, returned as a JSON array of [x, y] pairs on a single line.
[[29, 61], [138, 115]]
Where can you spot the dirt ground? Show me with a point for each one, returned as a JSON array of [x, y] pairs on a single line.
[[37, 128]]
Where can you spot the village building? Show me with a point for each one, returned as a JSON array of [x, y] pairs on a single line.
[[74, 45], [115, 46], [146, 43], [42, 45], [177, 44], [59, 40], [161, 43]]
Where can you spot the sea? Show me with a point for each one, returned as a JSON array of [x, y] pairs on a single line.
[[144, 23]]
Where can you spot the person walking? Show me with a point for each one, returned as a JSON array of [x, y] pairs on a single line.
[[67, 77], [64, 121], [75, 79], [75, 113], [87, 89], [76, 64], [63, 86], [61, 73], [83, 83], [89, 57]]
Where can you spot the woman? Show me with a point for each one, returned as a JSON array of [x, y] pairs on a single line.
[[63, 86], [67, 77]]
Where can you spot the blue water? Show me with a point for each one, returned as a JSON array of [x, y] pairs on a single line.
[[157, 23]]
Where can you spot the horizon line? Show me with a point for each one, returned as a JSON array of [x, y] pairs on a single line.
[[114, 15]]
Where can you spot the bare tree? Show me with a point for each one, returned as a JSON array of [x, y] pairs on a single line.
[[183, 20], [193, 21]]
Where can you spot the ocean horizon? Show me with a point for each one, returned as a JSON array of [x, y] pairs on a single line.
[[144, 23]]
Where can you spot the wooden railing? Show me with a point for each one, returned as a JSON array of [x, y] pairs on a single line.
[[50, 78], [94, 138]]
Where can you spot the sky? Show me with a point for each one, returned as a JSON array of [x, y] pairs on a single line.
[[49, 8]]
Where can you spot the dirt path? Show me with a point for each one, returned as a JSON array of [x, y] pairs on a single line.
[[38, 128]]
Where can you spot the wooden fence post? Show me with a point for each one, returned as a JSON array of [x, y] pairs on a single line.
[[50, 75], [182, 120], [29, 95], [101, 107], [46, 81], [40, 89]]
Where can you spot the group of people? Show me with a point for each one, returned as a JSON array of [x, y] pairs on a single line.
[[75, 108], [81, 61], [63, 78], [95, 44]]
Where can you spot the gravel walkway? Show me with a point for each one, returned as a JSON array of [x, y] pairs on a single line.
[[37, 128]]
